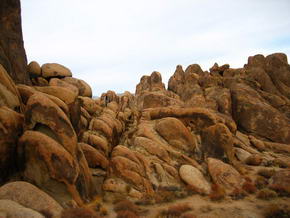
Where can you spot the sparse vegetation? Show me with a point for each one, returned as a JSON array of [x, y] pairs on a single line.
[[175, 210], [266, 194]]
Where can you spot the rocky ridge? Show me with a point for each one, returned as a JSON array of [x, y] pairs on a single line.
[[222, 135]]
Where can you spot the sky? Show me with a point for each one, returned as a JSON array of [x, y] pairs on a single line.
[[111, 44]]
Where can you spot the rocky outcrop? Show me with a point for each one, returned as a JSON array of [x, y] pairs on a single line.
[[12, 53]]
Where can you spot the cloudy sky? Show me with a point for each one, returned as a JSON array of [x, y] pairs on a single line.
[[111, 43]]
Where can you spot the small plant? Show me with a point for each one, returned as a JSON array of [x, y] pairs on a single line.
[[266, 194], [277, 211], [267, 173], [217, 193], [249, 187], [238, 194], [261, 182]]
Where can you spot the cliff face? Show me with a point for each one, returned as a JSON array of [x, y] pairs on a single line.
[[12, 53]]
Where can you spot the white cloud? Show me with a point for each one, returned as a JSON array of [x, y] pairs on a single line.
[[112, 43]]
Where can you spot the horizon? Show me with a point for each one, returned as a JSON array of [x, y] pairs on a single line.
[[111, 48]]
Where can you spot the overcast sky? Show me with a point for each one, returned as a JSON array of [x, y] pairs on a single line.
[[111, 43]]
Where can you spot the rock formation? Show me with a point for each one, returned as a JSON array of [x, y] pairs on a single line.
[[222, 135]]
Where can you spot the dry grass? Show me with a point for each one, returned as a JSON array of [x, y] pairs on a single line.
[[266, 194], [277, 211], [126, 214]]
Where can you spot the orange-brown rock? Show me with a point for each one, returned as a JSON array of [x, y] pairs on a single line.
[[217, 142], [34, 69], [89, 104], [150, 83], [9, 95], [61, 83], [253, 114], [176, 134], [45, 116], [30, 196], [55, 70], [84, 88], [224, 175], [12, 52], [64, 94], [11, 124], [98, 142], [94, 157], [48, 164]]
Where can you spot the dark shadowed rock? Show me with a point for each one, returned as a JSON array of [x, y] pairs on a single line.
[[12, 53]]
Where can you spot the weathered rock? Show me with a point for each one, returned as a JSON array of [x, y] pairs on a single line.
[[55, 70], [176, 134], [254, 115], [150, 83], [39, 81], [12, 52], [45, 116], [194, 178], [12, 209], [217, 141], [48, 164], [280, 181], [64, 94], [61, 83], [94, 157], [84, 88], [9, 95], [224, 175], [89, 104], [34, 69], [11, 124], [30, 196], [98, 142], [108, 97]]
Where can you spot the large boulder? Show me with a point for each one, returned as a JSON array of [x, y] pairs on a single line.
[[9, 95], [34, 69], [55, 70], [84, 88], [45, 116], [194, 178], [48, 164], [11, 124], [61, 83], [12, 209], [31, 197], [224, 175], [176, 134]]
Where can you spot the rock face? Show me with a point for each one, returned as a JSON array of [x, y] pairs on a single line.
[[12, 53], [31, 197]]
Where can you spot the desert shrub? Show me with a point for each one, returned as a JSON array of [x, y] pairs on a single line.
[[249, 187], [217, 192], [266, 194], [277, 211], [267, 173], [79, 213], [261, 182], [238, 194]]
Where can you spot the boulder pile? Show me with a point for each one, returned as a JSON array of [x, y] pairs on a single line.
[[222, 134]]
